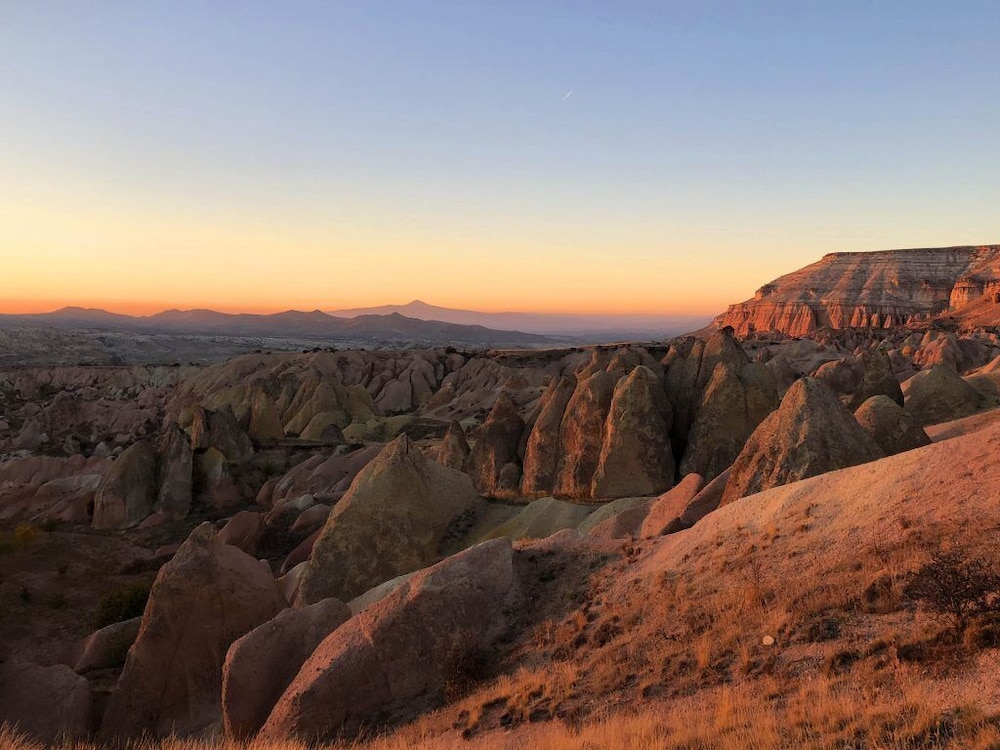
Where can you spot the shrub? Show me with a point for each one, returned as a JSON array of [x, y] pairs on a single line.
[[120, 604], [465, 664], [25, 534], [956, 588]]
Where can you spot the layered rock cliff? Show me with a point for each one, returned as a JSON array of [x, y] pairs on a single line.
[[881, 289]]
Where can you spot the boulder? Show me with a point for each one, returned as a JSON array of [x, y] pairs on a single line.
[[635, 456], [810, 433], [393, 519], [243, 531], [496, 468], [392, 660], [668, 507], [454, 449], [48, 704], [311, 519], [260, 665], [220, 490], [208, 595], [625, 524], [890, 425], [129, 489], [940, 395], [104, 648]]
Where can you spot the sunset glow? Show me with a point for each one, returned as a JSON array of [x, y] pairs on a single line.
[[388, 156]]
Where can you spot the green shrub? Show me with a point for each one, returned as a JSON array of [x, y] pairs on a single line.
[[120, 604], [25, 534]]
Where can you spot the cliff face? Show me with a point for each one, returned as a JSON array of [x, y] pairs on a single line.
[[875, 290]]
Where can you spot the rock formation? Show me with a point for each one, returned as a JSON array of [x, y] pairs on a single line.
[[454, 451], [127, 494], [260, 665], [391, 660], [810, 433], [49, 704], [872, 290], [392, 520], [496, 468], [890, 425], [940, 395], [206, 597], [635, 457]]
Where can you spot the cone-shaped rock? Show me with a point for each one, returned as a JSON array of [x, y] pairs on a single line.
[[49, 704], [811, 433], [127, 494], [206, 597], [264, 422], [454, 449], [392, 520], [732, 404], [496, 450], [544, 446], [583, 434], [890, 425], [176, 461], [635, 456]]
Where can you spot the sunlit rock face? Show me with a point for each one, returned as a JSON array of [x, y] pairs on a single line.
[[871, 290]]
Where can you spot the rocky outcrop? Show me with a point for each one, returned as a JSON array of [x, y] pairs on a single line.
[[391, 661], [496, 468], [208, 595], [810, 433], [635, 457], [890, 425], [454, 452], [48, 704], [856, 379], [104, 648], [392, 520], [260, 665], [666, 509], [543, 450], [128, 492], [868, 290], [733, 402], [582, 434], [941, 395], [176, 461]]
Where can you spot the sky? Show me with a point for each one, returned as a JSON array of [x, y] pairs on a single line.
[[626, 157]]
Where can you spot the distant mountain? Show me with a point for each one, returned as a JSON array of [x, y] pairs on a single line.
[[293, 324], [596, 327]]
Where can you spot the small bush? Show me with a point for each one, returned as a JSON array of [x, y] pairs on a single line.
[[48, 525], [956, 588], [465, 664], [120, 604], [25, 534], [58, 601]]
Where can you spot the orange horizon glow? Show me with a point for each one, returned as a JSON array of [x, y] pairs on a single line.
[[134, 308]]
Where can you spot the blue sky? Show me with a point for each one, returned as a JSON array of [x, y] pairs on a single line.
[[429, 149]]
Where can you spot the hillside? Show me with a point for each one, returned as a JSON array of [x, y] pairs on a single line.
[[877, 290]]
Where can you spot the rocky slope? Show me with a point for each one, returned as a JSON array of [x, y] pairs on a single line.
[[876, 290]]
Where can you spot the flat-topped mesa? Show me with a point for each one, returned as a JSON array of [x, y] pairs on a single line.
[[881, 289]]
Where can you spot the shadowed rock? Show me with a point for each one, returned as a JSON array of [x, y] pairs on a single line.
[[733, 403], [176, 462], [496, 468], [392, 520], [940, 395], [453, 452], [127, 494], [583, 434], [260, 665], [811, 433], [208, 595], [890, 425], [46, 703], [544, 445], [390, 661], [635, 456]]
